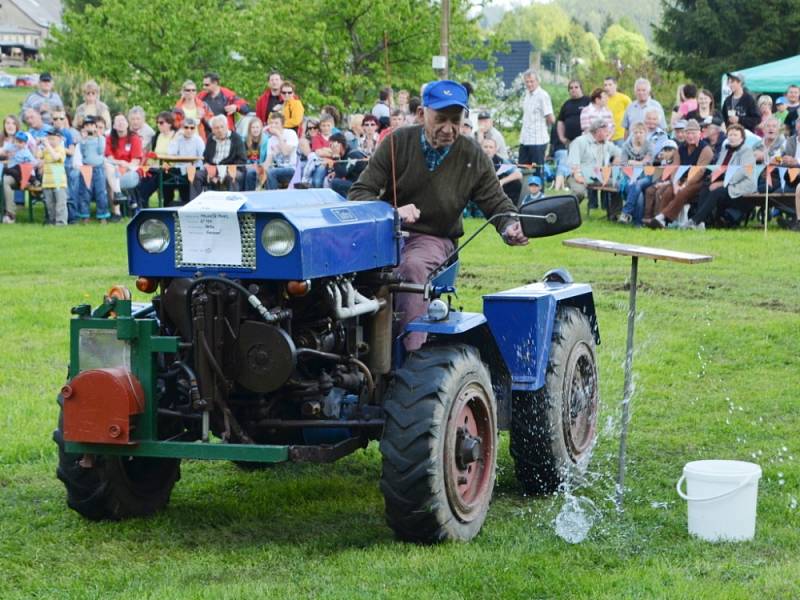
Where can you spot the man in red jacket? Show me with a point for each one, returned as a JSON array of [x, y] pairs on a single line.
[[221, 101], [270, 98]]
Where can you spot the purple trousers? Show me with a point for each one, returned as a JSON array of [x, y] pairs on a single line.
[[420, 255]]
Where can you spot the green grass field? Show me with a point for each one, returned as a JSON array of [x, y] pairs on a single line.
[[716, 373]]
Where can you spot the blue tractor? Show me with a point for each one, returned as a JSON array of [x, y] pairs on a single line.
[[270, 337]]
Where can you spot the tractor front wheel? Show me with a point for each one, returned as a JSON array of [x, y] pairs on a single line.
[[114, 487], [439, 446], [553, 430]]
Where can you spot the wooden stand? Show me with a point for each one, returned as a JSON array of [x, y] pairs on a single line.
[[634, 252]]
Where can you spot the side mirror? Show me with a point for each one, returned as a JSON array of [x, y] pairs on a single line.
[[550, 216]]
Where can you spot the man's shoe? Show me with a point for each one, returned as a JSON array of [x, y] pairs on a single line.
[[624, 218], [657, 222], [115, 218], [8, 219]]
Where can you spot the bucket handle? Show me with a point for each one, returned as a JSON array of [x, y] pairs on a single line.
[[743, 484]]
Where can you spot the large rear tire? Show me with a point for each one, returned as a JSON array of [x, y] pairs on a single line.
[[114, 487], [439, 446], [553, 430]]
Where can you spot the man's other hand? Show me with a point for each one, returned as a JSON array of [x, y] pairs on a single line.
[[513, 235], [408, 213]]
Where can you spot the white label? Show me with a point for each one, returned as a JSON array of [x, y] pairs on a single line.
[[210, 229]]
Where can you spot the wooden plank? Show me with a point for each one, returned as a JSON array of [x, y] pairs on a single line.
[[634, 250]]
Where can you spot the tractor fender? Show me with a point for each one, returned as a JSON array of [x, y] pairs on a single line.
[[521, 321]]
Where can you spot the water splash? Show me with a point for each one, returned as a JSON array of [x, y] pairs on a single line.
[[575, 519]]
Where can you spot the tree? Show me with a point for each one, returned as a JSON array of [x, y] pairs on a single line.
[[623, 45], [540, 24], [706, 38]]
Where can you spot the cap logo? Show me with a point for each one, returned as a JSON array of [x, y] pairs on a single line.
[[447, 92]]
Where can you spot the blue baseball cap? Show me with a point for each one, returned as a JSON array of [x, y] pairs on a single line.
[[21, 136], [444, 93], [781, 100], [535, 180]]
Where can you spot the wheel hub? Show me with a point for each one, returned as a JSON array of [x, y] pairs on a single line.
[[468, 448], [580, 407]]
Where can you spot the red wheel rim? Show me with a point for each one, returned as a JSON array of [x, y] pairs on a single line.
[[579, 416], [469, 476]]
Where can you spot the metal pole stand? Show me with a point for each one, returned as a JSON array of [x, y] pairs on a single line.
[[634, 252]]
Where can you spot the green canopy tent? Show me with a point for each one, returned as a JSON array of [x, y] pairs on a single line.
[[770, 78]]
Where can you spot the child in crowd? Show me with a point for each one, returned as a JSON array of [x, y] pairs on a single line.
[[54, 177], [534, 190], [781, 110], [93, 146], [12, 175], [636, 152]]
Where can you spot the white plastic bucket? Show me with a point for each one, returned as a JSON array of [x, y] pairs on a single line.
[[721, 497]]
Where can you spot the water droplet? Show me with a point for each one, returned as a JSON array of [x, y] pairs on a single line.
[[575, 519]]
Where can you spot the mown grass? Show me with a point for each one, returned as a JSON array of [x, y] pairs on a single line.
[[716, 377], [11, 99]]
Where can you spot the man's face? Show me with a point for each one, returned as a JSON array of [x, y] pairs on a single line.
[[651, 121], [337, 149], [396, 121], [275, 126], [771, 129], [575, 90], [793, 94], [692, 136], [60, 119], [275, 82], [489, 148], [442, 126], [485, 124], [466, 128], [734, 84], [667, 154], [610, 87], [33, 118], [680, 136], [45, 86], [531, 83], [219, 130], [188, 130], [137, 120], [210, 86], [639, 135], [711, 133], [642, 93], [601, 135], [326, 127]]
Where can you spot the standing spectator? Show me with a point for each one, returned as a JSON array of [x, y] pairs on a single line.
[[252, 150], [398, 120], [92, 145], [792, 106], [637, 109], [224, 147], [487, 130], [347, 165], [91, 105], [403, 97], [740, 107], [617, 104], [589, 153], [221, 100], [72, 163], [706, 107], [266, 103], [292, 110], [509, 175], [44, 100], [193, 108], [570, 121], [685, 102], [12, 175], [187, 143], [138, 125], [597, 109], [124, 155], [383, 108], [278, 153], [537, 117], [54, 177], [368, 140]]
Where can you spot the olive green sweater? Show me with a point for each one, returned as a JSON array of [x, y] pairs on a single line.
[[465, 174]]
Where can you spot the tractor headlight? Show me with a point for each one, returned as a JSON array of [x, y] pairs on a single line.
[[153, 236], [278, 237], [438, 310]]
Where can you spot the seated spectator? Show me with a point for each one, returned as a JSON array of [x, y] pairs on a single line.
[[331, 110], [713, 134], [222, 101], [292, 110], [12, 175], [636, 152], [252, 151], [597, 109], [43, 100], [278, 153], [706, 107], [368, 141], [187, 143], [764, 105], [92, 146], [721, 203], [37, 128], [153, 177], [781, 112], [11, 126], [652, 195], [224, 147], [54, 177], [587, 155], [686, 188], [304, 142], [770, 151], [124, 156], [685, 103], [509, 175], [740, 107], [679, 131], [346, 166], [91, 105], [320, 149], [354, 130], [534, 190], [266, 103], [656, 136], [486, 129], [137, 124], [193, 108]]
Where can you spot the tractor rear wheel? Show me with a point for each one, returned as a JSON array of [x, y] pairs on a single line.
[[439, 446], [553, 430], [114, 487]]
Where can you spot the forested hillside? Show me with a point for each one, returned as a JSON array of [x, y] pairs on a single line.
[[596, 13]]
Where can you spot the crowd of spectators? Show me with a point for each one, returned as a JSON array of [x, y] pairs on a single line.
[[214, 138]]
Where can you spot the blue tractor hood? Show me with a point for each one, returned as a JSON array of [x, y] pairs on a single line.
[[331, 236]]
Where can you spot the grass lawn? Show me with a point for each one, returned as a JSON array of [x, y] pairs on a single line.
[[716, 377], [11, 100]]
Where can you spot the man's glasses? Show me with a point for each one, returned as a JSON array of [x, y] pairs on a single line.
[[188, 126], [162, 122], [59, 118], [189, 89], [287, 93], [313, 127], [370, 124], [90, 93]]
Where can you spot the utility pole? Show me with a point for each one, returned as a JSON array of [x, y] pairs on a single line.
[[444, 38]]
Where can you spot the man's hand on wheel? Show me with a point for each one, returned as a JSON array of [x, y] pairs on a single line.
[[513, 235], [408, 213]]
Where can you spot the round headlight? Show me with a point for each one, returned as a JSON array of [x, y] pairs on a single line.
[[153, 236], [438, 310], [278, 237]]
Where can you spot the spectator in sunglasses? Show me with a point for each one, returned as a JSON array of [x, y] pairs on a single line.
[[369, 138], [193, 107], [292, 108], [187, 142], [91, 105]]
